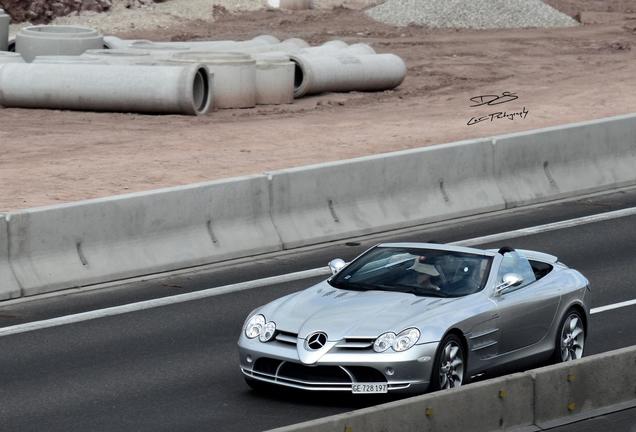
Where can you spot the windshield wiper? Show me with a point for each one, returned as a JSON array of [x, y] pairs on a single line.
[[422, 292]]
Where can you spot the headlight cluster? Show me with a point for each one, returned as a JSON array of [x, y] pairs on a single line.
[[258, 326], [400, 342]]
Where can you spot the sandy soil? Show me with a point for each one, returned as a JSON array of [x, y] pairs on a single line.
[[559, 76]]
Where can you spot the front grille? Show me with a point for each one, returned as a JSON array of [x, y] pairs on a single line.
[[313, 377], [330, 374], [366, 374], [267, 365]]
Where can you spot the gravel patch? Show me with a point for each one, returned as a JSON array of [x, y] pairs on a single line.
[[152, 16], [475, 14]]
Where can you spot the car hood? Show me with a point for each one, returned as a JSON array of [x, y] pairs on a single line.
[[361, 314]]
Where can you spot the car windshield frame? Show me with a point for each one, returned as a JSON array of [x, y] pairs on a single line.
[[425, 272]]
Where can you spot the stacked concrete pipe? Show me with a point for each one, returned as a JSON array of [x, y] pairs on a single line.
[[5, 20], [56, 40], [328, 48], [158, 51], [234, 76], [274, 78], [113, 42], [144, 89], [289, 4], [10, 57], [69, 60], [344, 73], [120, 56]]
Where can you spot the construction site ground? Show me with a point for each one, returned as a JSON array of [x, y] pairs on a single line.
[[559, 76]]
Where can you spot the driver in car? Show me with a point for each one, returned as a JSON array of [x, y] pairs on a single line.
[[425, 272]]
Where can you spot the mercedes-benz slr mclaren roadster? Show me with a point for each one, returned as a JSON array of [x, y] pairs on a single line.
[[416, 317]]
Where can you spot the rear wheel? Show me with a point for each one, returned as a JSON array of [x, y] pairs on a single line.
[[449, 368], [570, 338]]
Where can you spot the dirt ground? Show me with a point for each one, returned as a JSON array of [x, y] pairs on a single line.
[[558, 75]]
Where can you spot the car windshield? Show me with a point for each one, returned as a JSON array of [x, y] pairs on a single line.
[[423, 272]]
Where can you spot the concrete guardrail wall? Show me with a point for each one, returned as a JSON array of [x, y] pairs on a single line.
[[534, 400], [118, 237], [84, 243]]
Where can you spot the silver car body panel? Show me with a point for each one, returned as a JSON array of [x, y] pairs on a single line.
[[498, 330]]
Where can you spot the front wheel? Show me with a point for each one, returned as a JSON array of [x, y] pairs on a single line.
[[571, 338], [450, 364]]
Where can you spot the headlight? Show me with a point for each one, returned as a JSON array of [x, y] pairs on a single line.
[[406, 339], [384, 342], [254, 326], [268, 332]]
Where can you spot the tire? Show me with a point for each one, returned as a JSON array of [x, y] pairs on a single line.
[[570, 339], [449, 368]]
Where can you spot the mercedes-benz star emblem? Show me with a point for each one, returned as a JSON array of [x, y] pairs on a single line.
[[315, 341]]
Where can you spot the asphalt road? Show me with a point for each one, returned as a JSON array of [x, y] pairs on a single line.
[[175, 368]]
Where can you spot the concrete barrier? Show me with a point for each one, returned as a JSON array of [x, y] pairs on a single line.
[[9, 287], [536, 400], [565, 161], [501, 403], [590, 387], [377, 193], [53, 248]]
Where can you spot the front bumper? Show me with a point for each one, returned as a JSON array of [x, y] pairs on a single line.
[[338, 369]]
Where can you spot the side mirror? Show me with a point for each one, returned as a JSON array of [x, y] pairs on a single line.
[[510, 280], [336, 265]]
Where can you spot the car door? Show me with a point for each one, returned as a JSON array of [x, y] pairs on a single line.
[[524, 314]]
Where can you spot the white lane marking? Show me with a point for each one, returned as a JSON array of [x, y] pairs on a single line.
[[539, 229], [163, 301], [322, 271], [610, 307]]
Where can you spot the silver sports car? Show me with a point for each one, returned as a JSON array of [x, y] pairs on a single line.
[[417, 317]]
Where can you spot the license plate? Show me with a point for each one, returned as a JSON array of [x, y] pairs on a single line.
[[369, 388]]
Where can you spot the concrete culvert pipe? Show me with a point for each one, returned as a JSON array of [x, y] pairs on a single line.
[[234, 77], [142, 89], [300, 43], [275, 81], [120, 56], [67, 60], [359, 49], [289, 4], [159, 51], [56, 40], [344, 73], [328, 48], [5, 20], [10, 57]]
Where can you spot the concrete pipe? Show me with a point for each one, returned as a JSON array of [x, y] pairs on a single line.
[[158, 51], [344, 73], [5, 20], [275, 82], [300, 43], [359, 49], [289, 4], [120, 56], [203, 45], [234, 77], [10, 57], [143, 89], [56, 40], [67, 60], [328, 48]]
